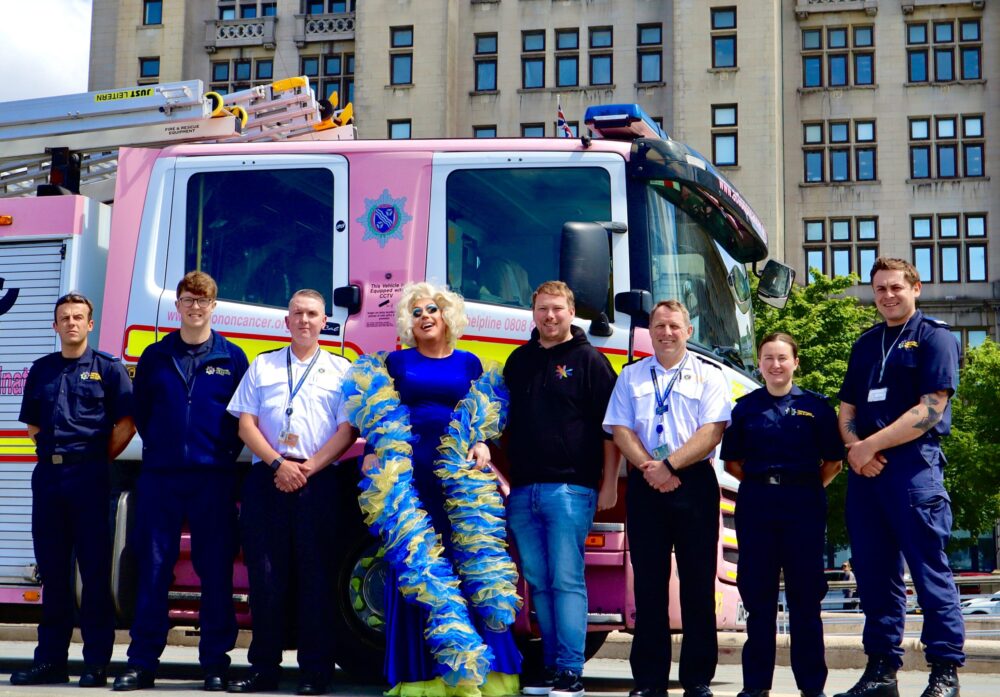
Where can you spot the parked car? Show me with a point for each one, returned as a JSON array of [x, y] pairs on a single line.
[[989, 605]]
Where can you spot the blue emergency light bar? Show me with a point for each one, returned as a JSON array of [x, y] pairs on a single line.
[[622, 122]]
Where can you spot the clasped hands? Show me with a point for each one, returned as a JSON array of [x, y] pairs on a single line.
[[292, 476], [864, 459], [658, 476]]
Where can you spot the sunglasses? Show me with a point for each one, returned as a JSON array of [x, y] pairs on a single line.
[[429, 309]]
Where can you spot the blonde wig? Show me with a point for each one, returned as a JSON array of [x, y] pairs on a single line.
[[451, 305]]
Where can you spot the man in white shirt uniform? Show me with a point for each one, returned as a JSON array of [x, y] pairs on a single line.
[[667, 414], [291, 415]]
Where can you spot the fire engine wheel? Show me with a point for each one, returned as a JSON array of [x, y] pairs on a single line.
[[360, 618], [124, 575]]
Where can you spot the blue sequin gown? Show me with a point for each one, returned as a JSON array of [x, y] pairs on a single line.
[[431, 388]]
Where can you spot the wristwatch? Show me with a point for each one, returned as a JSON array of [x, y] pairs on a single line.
[[670, 467], [277, 463]]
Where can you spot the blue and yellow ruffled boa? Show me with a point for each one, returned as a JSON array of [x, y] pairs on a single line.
[[392, 510]]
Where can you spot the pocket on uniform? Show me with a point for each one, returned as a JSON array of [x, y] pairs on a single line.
[[88, 396], [933, 506]]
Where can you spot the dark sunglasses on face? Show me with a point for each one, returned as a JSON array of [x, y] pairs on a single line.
[[429, 309]]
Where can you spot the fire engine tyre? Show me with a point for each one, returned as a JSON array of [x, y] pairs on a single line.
[[124, 575], [359, 623]]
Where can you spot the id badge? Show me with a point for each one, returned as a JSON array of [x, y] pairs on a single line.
[[877, 394], [285, 437], [661, 452]]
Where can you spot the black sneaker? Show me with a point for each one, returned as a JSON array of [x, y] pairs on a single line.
[[541, 685], [878, 680], [41, 674], [568, 684], [943, 681]]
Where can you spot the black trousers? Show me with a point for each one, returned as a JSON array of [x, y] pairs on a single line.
[[289, 549], [685, 522]]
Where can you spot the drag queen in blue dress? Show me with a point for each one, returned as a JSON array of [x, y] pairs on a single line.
[[449, 490]]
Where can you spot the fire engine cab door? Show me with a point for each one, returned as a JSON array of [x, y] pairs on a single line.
[[263, 228]]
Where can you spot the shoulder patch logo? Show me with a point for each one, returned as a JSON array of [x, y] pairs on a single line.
[[384, 218], [88, 375]]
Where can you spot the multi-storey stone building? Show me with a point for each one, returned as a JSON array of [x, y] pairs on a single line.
[[854, 127]]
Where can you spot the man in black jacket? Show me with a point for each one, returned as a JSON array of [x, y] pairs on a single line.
[[189, 448], [563, 467]]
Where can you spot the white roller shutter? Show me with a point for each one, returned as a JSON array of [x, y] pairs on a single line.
[[33, 270]]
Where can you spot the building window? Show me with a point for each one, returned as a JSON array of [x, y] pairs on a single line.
[[484, 131], [947, 147], [318, 7], [486, 62], [650, 52], [723, 37], [957, 55], [227, 10], [149, 68], [573, 126], [264, 70], [532, 130], [951, 244], [401, 61], [724, 135], [399, 130], [152, 12], [852, 246], [331, 73], [601, 59], [567, 57], [532, 60], [850, 149], [838, 56]]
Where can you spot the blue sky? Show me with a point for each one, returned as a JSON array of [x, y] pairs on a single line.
[[44, 47]]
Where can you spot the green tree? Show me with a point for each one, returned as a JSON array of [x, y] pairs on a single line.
[[825, 322], [973, 449]]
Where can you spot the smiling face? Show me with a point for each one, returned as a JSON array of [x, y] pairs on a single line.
[[553, 316], [777, 366], [73, 324], [429, 327], [195, 310], [895, 297], [669, 330], [306, 317]]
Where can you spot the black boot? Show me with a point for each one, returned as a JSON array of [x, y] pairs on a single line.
[[943, 681], [878, 680]]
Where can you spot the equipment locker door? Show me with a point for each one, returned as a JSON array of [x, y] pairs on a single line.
[[30, 274]]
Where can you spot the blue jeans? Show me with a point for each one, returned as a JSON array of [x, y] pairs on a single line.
[[550, 523]]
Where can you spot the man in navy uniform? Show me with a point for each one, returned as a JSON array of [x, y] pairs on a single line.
[[78, 409], [667, 413], [183, 384], [894, 410], [292, 419]]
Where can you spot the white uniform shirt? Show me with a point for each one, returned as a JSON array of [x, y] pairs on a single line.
[[318, 407], [699, 396]]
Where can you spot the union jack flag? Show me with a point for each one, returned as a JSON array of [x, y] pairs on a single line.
[[561, 124]]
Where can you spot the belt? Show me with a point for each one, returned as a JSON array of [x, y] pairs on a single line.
[[71, 458], [783, 478]]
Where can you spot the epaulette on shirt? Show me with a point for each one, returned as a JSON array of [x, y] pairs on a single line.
[[111, 357], [814, 393], [936, 322], [872, 328], [271, 350], [708, 362]]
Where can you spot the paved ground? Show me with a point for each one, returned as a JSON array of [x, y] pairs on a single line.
[[179, 675]]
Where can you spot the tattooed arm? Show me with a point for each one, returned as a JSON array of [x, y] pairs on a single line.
[[917, 421]]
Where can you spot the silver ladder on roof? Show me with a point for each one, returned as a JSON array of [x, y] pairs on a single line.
[[96, 124]]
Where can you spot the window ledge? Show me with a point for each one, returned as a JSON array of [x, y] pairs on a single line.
[[149, 26], [948, 180], [648, 85], [953, 83], [484, 93], [816, 185], [727, 168], [558, 90], [408, 86], [845, 88], [734, 69]]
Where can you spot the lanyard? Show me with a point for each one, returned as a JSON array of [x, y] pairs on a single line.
[[885, 354], [662, 406], [294, 391]]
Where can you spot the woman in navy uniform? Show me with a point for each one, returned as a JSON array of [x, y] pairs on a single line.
[[784, 446], [78, 409]]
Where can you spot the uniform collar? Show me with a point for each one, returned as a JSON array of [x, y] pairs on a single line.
[[660, 369], [86, 357]]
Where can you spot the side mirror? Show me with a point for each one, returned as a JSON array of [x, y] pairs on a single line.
[[636, 304], [348, 297], [585, 266], [775, 284]]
